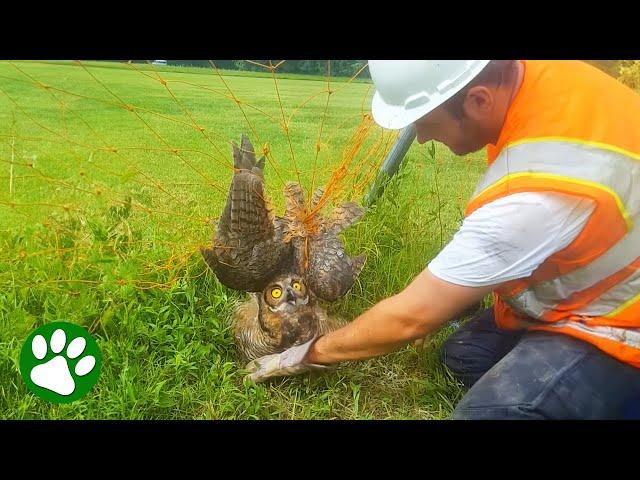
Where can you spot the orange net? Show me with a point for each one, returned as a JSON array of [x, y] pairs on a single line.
[[115, 172]]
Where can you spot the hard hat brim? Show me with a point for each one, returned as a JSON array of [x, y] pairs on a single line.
[[396, 117]]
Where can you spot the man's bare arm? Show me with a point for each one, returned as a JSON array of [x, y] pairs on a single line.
[[419, 310]]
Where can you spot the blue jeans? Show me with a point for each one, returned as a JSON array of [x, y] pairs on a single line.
[[537, 375]]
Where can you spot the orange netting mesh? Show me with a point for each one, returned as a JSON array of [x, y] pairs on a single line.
[[105, 162]]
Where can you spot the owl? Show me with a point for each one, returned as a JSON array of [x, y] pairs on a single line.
[[288, 263], [284, 314]]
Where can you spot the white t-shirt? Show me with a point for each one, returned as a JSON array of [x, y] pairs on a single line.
[[510, 237]]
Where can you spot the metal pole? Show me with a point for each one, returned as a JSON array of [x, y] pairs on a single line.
[[391, 164]]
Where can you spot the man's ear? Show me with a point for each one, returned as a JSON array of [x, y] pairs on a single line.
[[479, 102]]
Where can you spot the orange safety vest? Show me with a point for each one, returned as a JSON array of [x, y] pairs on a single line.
[[573, 129]]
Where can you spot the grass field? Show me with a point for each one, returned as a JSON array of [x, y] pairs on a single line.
[[109, 179]]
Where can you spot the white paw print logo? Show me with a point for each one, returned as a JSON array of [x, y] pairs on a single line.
[[63, 374], [55, 375]]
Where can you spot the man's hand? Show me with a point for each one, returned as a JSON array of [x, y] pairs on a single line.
[[289, 362]]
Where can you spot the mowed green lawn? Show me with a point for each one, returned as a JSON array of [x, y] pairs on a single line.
[[110, 176]]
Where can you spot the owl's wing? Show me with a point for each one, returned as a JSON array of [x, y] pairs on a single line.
[[248, 249], [331, 271], [344, 216]]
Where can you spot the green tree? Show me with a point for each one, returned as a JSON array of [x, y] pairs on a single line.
[[629, 73]]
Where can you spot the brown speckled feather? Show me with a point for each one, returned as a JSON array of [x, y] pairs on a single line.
[[248, 249], [329, 271]]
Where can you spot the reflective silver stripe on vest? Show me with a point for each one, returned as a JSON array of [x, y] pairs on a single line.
[[611, 170], [578, 161], [532, 304], [628, 336], [613, 298], [613, 260]]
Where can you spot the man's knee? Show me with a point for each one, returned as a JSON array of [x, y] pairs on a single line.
[[504, 392], [476, 346], [465, 359], [457, 353]]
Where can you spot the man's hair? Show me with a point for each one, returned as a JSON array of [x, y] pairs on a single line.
[[496, 73]]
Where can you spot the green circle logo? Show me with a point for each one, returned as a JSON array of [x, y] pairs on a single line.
[[60, 362]]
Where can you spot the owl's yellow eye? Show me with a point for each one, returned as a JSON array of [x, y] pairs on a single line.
[[276, 292], [296, 286]]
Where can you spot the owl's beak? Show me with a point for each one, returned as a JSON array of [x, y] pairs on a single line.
[[291, 298]]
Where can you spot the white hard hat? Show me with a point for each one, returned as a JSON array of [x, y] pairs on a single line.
[[407, 90]]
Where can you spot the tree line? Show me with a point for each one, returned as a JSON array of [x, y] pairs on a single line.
[[338, 68]]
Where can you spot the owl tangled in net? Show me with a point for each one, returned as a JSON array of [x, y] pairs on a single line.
[[287, 263]]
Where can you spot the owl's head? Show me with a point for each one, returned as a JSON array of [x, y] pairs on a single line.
[[286, 293]]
